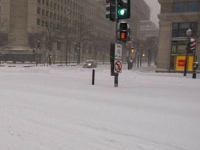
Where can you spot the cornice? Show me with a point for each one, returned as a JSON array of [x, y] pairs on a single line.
[[180, 16]]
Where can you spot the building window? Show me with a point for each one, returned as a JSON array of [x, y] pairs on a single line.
[[43, 23], [47, 13], [43, 12], [186, 6], [179, 29], [178, 48], [38, 10], [179, 7], [47, 2], [47, 24], [38, 21], [193, 6], [51, 4], [51, 15], [51, 25], [54, 16]]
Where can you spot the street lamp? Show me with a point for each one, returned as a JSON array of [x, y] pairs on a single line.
[[188, 33]]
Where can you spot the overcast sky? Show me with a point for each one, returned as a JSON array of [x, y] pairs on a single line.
[[155, 9]]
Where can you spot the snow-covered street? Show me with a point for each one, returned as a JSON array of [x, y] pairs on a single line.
[[57, 108]]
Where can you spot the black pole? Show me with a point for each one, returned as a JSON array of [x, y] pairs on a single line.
[[116, 80], [138, 59], [117, 21], [186, 59], [93, 77], [66, 53], [195, 66], [36, 60]]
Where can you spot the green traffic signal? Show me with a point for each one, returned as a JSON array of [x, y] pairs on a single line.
[[121, 12], [123, 9]]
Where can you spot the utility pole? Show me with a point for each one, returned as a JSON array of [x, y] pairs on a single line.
[[117, 21], [116, 10]]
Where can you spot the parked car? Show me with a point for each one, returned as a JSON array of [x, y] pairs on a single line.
[[90, 64]]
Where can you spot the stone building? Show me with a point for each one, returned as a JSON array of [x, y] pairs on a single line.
[[139, 11], [68, 30], [148, 29], [176, 17]]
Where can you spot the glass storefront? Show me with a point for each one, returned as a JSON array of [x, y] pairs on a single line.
[[179, 42], [178, 51], [177, 48]]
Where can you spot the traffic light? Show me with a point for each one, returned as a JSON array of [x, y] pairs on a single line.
[[192, 43], [123, 9], [110, 9], [123, 32], [123, 35]]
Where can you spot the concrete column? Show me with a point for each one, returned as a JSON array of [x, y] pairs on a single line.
[[198, 45], [164, 45], [18, 23]]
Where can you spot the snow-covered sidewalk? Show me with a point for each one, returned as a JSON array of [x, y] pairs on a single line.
[[57, 108]]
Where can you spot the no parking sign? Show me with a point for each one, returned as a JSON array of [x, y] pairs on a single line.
[[118, 66]]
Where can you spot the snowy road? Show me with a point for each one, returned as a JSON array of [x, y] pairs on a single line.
[[57, 108]]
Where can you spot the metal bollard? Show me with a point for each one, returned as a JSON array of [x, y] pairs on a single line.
[[116, 80], [195, 66], [93, 76]]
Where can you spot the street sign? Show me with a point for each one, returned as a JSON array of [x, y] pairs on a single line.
[[118, 51], [118, 66]]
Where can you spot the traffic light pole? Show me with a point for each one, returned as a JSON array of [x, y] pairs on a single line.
[[117, 21]]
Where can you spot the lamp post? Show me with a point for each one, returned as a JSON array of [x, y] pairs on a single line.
[[188, 33]]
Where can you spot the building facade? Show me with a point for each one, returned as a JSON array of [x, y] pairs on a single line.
[[140, 11], [148, 29], [68, 30], [176, 17]]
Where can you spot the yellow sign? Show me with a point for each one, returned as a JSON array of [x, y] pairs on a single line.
[[180, 63]]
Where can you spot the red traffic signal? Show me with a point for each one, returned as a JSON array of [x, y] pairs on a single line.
[[123, 32], [123, 35]]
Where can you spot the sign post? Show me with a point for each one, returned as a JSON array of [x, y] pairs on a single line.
[[117, 63]]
